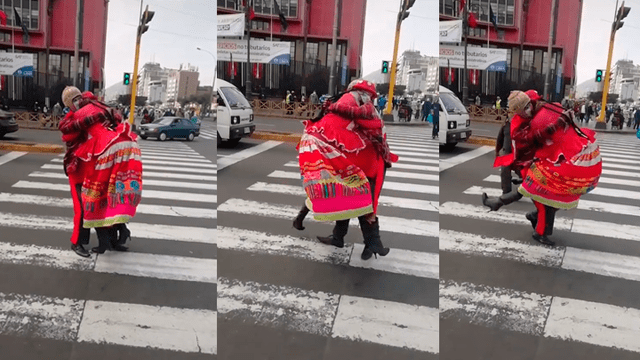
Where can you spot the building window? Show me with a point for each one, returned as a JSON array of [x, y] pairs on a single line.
[[503, 10], [527, 60], [312, 53], [259, 25], [55, 63], [29, 11], [447, 8], [289, 8], [229, 4]]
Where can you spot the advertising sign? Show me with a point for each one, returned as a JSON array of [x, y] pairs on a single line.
[[231, 25], [20, 65], [451, 31], [477, 58], [265, 52]]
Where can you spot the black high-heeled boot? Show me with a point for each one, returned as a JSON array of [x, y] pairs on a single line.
[[339, 232], [106, 236], [123, 235], [532, 216], [297, 222], [496, 203], [372, 243]]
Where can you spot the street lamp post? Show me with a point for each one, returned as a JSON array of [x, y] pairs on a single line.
[[215, 62]]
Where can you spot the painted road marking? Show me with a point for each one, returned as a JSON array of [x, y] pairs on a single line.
[[579, 226], [446, 164], [142, 208], [398, 261], [158, 266], [383, 200], [395, 166], [40, 316], [388, 323], [147, 167], [141, 230], [177, 158], [11, 156], [568, 319], [567, 258], [247, 153], [43, 256], [281, 211], [356, 318], [153, 194], [185, 330]]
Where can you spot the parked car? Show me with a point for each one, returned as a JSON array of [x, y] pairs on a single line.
[[170, 127], [7, 123]]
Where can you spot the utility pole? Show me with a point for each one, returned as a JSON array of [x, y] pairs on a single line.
[[332, 78], [465, 80], [249, 72], [76, 50], [402, 14], [142, 28], [547, 81], [620, 14]]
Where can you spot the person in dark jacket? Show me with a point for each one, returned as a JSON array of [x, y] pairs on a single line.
[[436, 118], [503, 147], [426, 109]]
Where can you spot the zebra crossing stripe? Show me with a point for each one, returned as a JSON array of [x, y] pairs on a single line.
[[280, 211], [404, 158], [142, 208], [157, 327], [200, 159], [613, 164], [567, 258], [579, 226], [398, 261], [153, 194], [11, 156], [167, 267], [568, 319], [388, 185], [389, 174], [123, 263], [383, 200], [417, 150], [446, 164], [147, 167], [139, 230], [394, 166], [339, 316]]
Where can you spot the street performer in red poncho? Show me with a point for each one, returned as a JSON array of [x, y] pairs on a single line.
[[558, 161], [104, 167], [343, 157]]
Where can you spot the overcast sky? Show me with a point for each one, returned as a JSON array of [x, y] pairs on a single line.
[[177, 29], [419, 31], [597, 16]]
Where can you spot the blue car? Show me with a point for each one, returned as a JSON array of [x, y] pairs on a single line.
[[168, 128]]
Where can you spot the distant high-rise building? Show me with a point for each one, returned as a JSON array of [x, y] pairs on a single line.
[[182, 83], [412, 65]]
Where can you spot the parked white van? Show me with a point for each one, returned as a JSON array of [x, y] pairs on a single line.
[[454, 120], [234, 114]]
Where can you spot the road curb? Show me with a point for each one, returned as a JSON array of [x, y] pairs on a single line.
[[32, 147], [276, 136], [482, 140]]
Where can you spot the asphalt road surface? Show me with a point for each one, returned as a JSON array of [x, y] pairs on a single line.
[[505, 296], [284, 295], [156, 301]]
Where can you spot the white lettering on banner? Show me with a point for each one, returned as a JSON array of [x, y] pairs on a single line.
[[265, 52], [16, 64], [231, 25], [477, 58]]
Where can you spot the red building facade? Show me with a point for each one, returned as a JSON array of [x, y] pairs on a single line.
[[310, 31], [51, 31], [523, 29]]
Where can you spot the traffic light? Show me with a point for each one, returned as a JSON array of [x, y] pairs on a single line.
[[385, 67], [127, 79], [146, 18], [622, 13], [599, 75]]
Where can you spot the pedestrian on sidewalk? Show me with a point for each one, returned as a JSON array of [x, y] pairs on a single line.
[[559, 161], [104, 167], [426, 109], [343, 159], [636, 118]]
